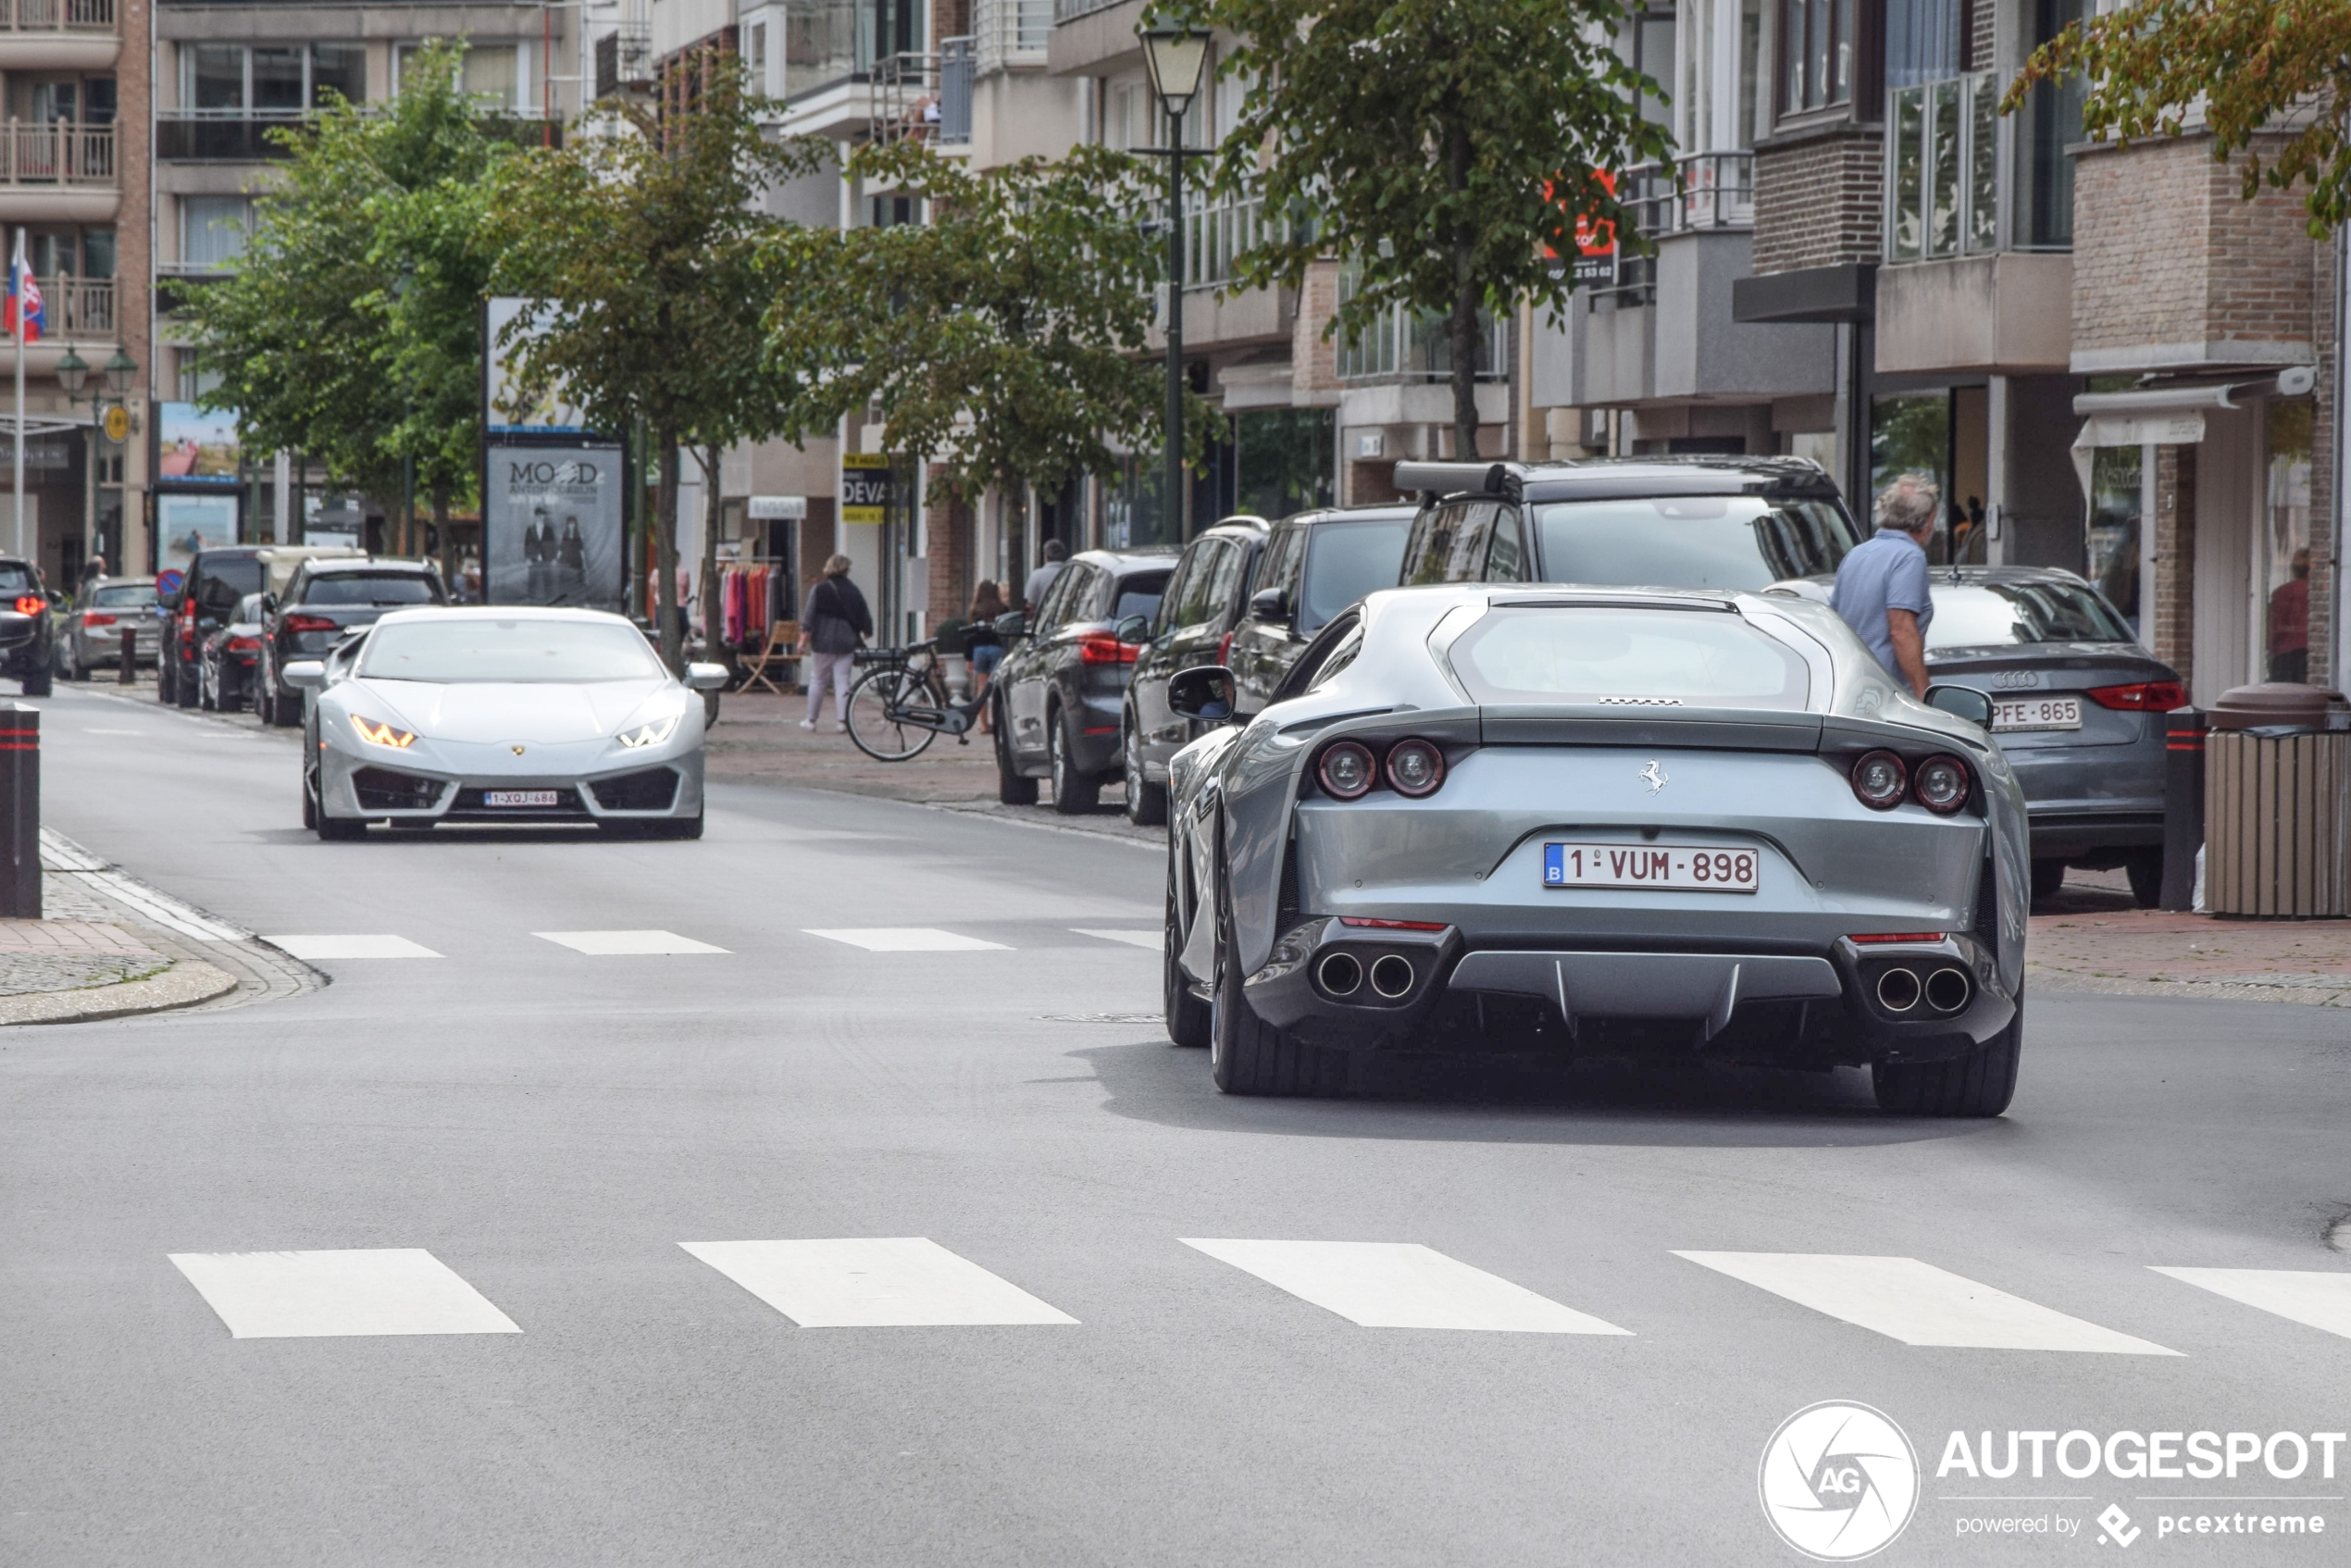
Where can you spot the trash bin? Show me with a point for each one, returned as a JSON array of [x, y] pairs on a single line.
[[2276, 802]]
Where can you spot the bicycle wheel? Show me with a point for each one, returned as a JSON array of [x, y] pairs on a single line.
[[871, 728]]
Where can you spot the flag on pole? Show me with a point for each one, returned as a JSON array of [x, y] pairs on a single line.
[[24, 298]]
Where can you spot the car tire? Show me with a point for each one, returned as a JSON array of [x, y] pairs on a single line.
[[1247, 1056], [183, 686], [2048, 876], [1074, 793], [207, 697], [2146, 870], [309, 807], [1146, 802], [165, 685], [1187, 1015], [1978, 1084], [1011, 787], [38, 683]]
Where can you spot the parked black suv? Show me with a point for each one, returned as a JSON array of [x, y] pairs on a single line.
[[28, 638], [1057, 695], [1194, 624], [1313, 565], [1741, 523], [206, 601], [326, 598]]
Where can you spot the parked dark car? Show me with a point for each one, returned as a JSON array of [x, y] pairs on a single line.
[[1313, 565], [206, 600], [1194, 624], [225, 665], [1060, 689], [1735, 523], [28, 634], [90, 638], [326, 598], [2077, 704]]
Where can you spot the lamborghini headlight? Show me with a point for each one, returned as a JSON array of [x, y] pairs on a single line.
[[649, 734], [376, 734]]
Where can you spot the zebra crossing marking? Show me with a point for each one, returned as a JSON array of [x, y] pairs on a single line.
[[2314, 1297], [1150, 939], [873, 1282], [907, 938], [310, 947], [386, 1290], [622, 944], [1400, 1285]]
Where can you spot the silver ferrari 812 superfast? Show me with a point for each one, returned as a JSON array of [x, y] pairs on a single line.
[[1577, 822]]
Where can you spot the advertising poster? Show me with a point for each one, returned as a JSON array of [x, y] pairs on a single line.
[[195, 446], [552, 526], [864, 487], [508, 406], [185, 524]]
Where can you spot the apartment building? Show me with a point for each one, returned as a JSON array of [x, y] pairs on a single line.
[[226, 77], [75, 74]]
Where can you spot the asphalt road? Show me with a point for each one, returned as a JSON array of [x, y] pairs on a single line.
[[550, 1130]]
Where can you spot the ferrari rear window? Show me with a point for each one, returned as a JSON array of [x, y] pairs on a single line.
[[1635, 659]]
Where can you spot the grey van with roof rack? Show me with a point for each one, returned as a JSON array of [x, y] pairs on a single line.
[[1729, 523]]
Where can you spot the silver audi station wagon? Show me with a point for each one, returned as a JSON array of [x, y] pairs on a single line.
[[1597, 822]]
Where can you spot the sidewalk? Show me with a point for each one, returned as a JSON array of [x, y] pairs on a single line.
[[2091, 939]]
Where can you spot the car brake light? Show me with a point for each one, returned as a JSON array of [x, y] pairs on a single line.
[[1896, 936], [1102, 648], [1346, 770], [1392, 925], [244, 644], [1942, 784], [30, 604], [2146, 696], [1224, 649], [1416, 768], [309, 623], [93, 617], [1880, 780]]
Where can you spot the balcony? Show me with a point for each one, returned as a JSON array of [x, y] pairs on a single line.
[[957, 60], [254, 138], [76, 309], [1012, 32], [1714, 194], [58, 35], [625, 59], [60, 172]]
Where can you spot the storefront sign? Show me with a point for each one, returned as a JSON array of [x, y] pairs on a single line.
[[864, 487], [552, 526], [778, 508]]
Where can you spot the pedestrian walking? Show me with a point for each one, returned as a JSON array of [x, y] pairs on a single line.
[[1881, 584], [986, 649], [1056, 558], [833, 623]]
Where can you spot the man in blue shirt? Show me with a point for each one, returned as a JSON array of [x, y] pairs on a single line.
[[1881, 585]]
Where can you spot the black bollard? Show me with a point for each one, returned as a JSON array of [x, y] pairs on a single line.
[[129, 671], [20, 786], [2182, 805]]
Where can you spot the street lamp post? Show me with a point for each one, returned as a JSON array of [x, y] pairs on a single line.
[[114, 381], [1176, 56]]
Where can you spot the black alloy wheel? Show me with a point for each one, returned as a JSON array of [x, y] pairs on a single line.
[[1011, 788], [1146, 802], [1074, 793]]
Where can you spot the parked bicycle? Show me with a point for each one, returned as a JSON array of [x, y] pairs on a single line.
[[900, 704]]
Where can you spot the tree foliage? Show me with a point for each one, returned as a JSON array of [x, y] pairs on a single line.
[[2235, 68], [1002, 340], [1440, 146], [350, 329], [641, 237]]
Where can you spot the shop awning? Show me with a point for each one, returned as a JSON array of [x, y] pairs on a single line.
[[2169, 416]]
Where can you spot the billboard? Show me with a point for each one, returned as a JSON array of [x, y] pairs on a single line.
[[508, 406], [864, 487], [196, 445], [185, 524], [552, 525]]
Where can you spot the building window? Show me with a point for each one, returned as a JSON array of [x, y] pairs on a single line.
[[2286, 632], [1817, 39], [495, 75], [267, 78], [212, 231], [1942, 153]]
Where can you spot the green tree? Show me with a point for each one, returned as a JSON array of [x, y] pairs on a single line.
[[1004, 340], [1438, 146], [350, 330], [2238, 69], [641, 238]]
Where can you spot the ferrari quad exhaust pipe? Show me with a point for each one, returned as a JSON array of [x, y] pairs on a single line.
[[1392, 977], [1947, 989], [1340, 974], [1898, 989]]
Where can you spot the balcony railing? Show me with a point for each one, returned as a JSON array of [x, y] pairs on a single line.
[[1012, 32], [56, 15], [957, 66], [59, 152], [624, 58], [80, 309], [1715, 191], [1405, 345], [1069, 10], [1943, 169], [252, 137]]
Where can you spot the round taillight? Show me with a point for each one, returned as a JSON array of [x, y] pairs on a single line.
[[1346, 770], [1879, 779], [1416, 768], [1941, 785]]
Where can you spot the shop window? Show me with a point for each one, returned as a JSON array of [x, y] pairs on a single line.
[[1285, 460], [2113, 543], [2285, 544], [1910, 433]]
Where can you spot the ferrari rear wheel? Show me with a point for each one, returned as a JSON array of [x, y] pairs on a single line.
[[1978, 1084], [1247, 1056]]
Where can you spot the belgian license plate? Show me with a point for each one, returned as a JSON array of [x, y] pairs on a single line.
[[2012, 714], [522, 797], [1679, 867]]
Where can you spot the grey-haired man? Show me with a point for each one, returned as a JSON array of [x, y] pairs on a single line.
[[1881, 585]]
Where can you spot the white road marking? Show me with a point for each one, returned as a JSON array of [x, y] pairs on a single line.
[[2316, 1298], [350, 947], [609, 944], [1918, 1303], [908, 939], [316, 1295], [1151, 940], [1400, 1285], [116, 732], [872, 1282]]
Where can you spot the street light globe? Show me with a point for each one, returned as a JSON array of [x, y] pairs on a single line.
[[1175, 55], [121, 373], [73, 373]]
